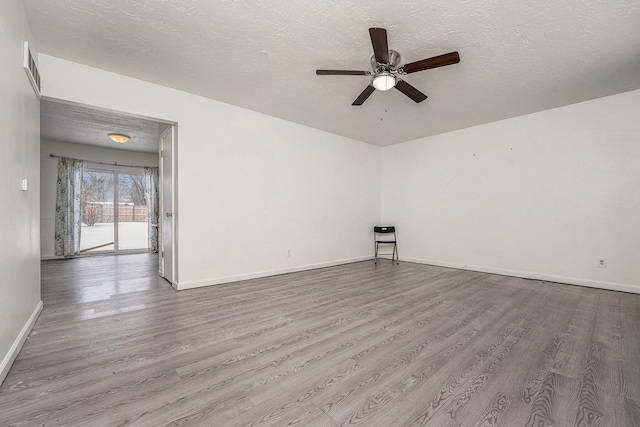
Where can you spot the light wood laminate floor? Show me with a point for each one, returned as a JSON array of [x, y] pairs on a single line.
[[407, 345]]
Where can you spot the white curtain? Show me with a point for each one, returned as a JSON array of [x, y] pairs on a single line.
[[68, 220]]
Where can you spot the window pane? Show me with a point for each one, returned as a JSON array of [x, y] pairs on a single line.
[[97, 212], [133, 226]]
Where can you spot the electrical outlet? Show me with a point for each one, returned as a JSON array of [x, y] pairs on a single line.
[[602, 262], [288, 252]]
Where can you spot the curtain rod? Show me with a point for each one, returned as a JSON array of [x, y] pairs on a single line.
[[108, 164]]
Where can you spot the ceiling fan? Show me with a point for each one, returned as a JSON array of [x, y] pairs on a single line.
[[386, 70]]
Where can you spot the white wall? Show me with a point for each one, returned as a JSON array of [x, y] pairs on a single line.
[[539, 196], [249, 186], [19, 234], [49, 172]]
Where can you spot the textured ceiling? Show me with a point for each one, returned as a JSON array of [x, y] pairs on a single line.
[[516, 57], [88, 126]]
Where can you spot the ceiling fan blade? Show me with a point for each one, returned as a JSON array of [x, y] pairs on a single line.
[[342, 73], [364, 95], [435, 62], [410, 91], [380, 46]]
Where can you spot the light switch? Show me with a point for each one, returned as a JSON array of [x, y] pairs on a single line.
[[24, 185]]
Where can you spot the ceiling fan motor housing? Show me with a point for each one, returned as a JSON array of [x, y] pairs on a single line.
[[394, 60]]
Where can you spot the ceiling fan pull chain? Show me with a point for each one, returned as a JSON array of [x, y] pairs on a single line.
[[384, 106]]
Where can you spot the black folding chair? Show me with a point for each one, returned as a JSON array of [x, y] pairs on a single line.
[[376, 239]]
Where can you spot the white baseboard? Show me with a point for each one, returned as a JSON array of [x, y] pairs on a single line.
[[529, 275], [229, 279], [10, 357]]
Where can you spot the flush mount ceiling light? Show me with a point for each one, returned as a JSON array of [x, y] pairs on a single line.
[[384, 81], [119, 137]]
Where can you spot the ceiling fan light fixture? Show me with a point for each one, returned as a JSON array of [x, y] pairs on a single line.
[[119, 137], [384, 81]]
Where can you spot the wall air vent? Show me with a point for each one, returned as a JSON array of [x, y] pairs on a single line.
[[31, 69]]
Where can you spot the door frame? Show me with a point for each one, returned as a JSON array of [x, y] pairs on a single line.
[[174, 193]]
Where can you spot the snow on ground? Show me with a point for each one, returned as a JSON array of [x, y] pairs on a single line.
[[132, 235]]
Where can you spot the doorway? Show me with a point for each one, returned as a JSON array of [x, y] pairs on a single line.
[[80, 131]]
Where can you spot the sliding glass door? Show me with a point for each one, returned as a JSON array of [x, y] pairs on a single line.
[[114, 211]]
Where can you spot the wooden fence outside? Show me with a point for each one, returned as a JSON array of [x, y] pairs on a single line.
[[93, 213]]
